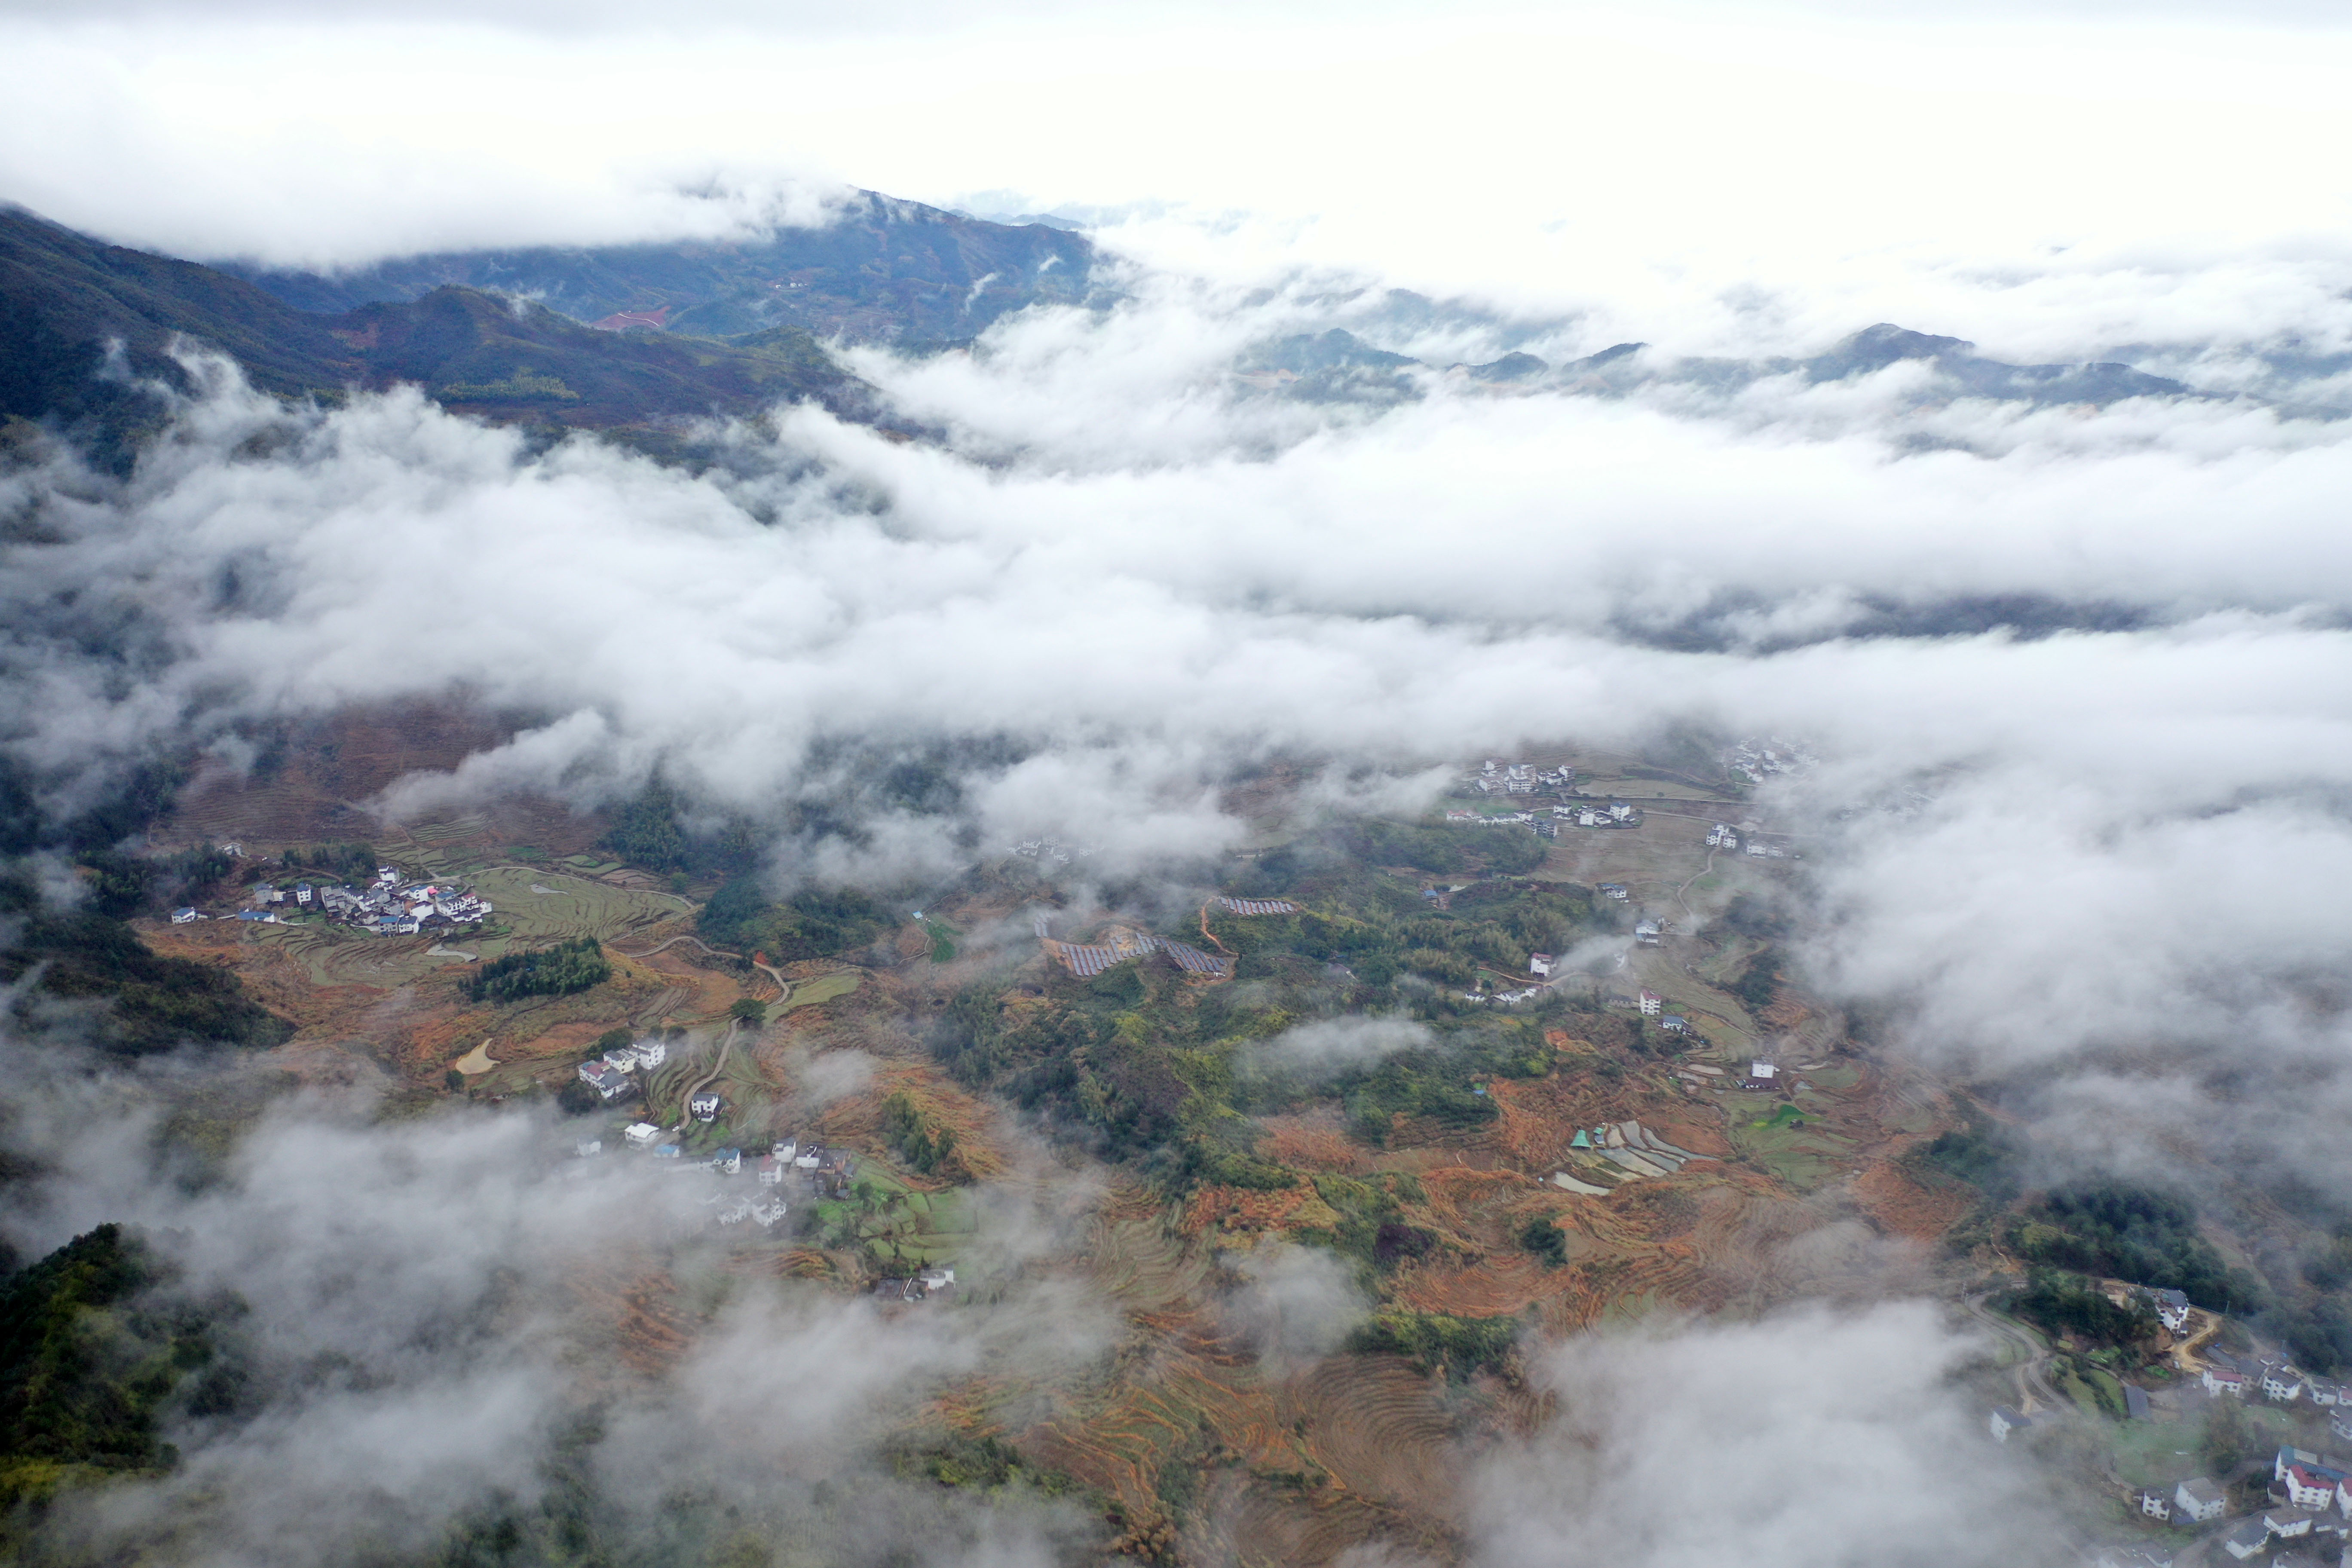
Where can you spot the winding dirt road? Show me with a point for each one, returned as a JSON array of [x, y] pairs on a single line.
[[2033, 1386]]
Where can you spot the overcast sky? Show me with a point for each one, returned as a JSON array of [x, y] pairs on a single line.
[[1912, 161]]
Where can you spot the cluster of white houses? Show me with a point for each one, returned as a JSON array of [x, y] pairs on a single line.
[[609, 1075], [820, 1172], [1519, 778], [1757, 761], [2309, 1519], [389, 906]]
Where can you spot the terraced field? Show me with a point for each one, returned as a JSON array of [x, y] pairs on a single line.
[[1802, 1150]]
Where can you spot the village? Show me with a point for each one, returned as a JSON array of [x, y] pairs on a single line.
[[389, 906], [2295, 1511]]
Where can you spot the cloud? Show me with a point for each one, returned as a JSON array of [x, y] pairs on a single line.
[[1330, 1046], [1296, 1304], [450, 1317], [1805, 1438]]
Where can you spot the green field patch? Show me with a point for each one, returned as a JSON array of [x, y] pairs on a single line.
[[1837, 1080], [824, 988], [2154, 1453], [1800, 1150]]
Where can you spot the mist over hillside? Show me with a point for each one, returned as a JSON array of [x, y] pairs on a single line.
[[716, 869]]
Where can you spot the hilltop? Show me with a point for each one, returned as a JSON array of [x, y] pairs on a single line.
[[881, 270], [88, 330]]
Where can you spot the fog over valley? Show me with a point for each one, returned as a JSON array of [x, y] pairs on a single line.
[[1464, 817]]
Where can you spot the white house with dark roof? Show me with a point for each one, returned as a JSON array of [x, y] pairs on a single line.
[[2282, 1383], [607, 1083], [2171, 1309], [2246, 1539], [2199, 1500], [1652, 1004], [2004, 1420], [2286, 1524]]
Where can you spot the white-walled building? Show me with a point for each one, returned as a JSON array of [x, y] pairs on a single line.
[[2199, 1500]]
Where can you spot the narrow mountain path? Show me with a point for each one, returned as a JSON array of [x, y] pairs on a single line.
[[2033, 1386]]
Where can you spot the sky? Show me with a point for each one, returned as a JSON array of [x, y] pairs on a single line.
[[2105, 856], [2027, 178]]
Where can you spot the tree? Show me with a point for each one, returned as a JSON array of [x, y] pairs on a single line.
[[2229, 1438], [454, 1081], [748, 1010], [578, 1097]]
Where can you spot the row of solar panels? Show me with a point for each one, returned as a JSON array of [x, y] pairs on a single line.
[[1260, 905], [1087, 961]]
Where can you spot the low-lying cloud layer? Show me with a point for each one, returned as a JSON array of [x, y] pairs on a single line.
[[2102, 845], [1129, 574]]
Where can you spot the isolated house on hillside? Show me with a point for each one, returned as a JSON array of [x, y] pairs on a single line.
[[2154, 1504], [704, 1106], [2171, 1309], [1647, 933], [1540, 963], [1674, 1024], [1652, 1004], [2004, 1420]]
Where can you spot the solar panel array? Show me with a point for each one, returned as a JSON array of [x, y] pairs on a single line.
[[1086, 961], [1260, 905], [1191, 960]]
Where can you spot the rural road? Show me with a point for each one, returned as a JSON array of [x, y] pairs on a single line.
[[727, 1041], [673, 941], [2033, 1388]]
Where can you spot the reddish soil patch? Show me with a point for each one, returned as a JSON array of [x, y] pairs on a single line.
[[1312, 1144], [1242, 1208], [1900, 1206]]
